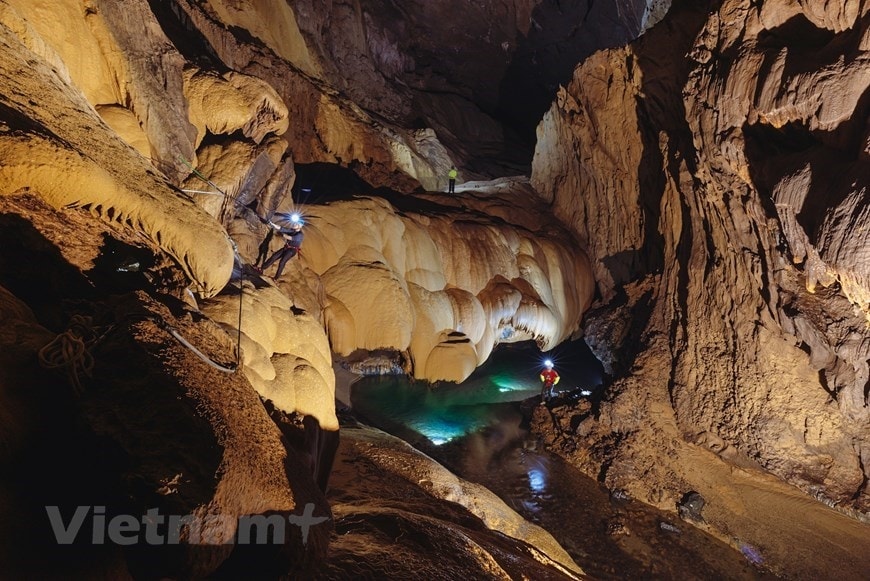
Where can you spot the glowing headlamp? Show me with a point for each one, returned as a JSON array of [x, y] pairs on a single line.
[[548, 363]]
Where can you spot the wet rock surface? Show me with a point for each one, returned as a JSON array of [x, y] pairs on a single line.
[[390, 500], [609, 534], [744, 508]]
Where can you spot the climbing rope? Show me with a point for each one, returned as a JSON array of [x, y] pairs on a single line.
[[223, 215], [239, 335], [180, 338], [226, 201], [71, 351], [241, 262]]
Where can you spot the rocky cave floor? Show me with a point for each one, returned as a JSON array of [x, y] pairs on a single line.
[[608, 535], [783, 532]]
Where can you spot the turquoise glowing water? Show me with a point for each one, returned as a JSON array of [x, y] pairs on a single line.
[[446, 411], [477, 430]]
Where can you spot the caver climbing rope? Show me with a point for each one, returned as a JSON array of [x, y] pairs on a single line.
[[238, 258], [223, 214]]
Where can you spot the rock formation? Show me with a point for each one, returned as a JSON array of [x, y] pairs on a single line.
[[285, 356], [257, 166], [385, 483], [714, 171], [122, 414], [722, 198], [57, 145], [443, 290], [151, 426], [161, 136], [411, 62]]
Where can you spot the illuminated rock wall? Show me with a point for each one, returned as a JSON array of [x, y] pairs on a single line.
[[444, 290], [286, 357], [723, 199], [57, 145]]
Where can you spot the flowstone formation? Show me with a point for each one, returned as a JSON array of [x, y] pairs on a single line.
[[238, 131], [716, 171], [436, 284], [143, 147], [58, 145]]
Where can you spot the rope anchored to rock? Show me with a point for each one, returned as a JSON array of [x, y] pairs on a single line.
[[161, 322], [226, 199], [71, 350]]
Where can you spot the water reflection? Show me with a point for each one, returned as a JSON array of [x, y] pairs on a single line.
[[440, 414], [537, 481], [477, 430], [445, 411]]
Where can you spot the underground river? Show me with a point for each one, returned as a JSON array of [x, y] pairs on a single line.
[[479, 430]]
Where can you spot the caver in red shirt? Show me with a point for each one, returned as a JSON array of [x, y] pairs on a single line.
[[549, 377]]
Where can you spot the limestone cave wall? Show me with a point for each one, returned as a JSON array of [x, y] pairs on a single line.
[[716, 171], [142, 145], [713, 169], [115, 111]]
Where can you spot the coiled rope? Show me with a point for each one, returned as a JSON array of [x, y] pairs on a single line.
[[71, 350]]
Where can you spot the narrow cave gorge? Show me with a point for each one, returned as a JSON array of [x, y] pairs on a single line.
[[401, 289]]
